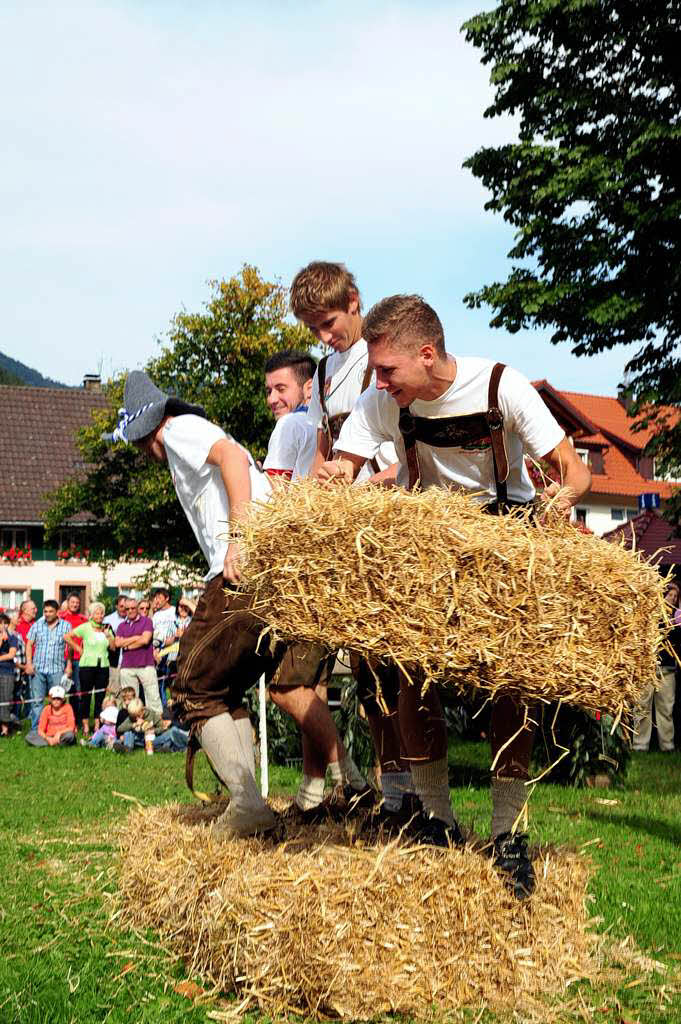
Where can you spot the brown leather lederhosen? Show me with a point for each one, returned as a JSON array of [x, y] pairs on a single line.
[[508, 715]]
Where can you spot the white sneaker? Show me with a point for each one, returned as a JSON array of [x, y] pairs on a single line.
[[235, 824]]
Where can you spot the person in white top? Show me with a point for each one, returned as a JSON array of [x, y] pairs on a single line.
[[220, 655], [293, 442], [325, 297], [464, 422]]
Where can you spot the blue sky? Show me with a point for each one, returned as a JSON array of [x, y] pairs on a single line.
[[150, 147]]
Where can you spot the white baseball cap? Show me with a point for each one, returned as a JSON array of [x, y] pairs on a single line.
[[57, 691]]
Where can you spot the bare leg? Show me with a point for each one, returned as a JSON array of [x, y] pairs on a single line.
[[313, 718]]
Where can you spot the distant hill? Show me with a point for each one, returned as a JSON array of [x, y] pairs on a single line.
[[14, 372]]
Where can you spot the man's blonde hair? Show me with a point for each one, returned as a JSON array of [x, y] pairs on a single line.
[[405, 321], [320, 287]]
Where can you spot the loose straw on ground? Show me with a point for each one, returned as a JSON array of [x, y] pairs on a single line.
[[429, 580], [323, 924]]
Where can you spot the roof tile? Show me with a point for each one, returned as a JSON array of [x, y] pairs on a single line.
[[37, 427]]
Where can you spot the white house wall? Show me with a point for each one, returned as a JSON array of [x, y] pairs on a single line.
[[49, 576], [599, 518]]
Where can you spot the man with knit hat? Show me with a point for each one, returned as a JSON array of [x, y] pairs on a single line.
[[221, 656]]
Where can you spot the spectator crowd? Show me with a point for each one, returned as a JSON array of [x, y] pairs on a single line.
[[101, 680]]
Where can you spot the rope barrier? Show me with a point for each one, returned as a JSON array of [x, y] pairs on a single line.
[[39, 700]]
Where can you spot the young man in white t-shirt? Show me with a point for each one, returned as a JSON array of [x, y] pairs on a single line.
[[325, 297], [293, 442], [221, 656], [458, 422]]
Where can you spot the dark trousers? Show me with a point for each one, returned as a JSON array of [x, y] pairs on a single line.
[[91, 678]]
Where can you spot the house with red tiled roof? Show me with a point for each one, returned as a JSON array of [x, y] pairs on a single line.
[[38, 427], [653, 536], [623, 476]]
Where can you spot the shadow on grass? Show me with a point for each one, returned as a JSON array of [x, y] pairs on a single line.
[[468, 776], [653, 826]]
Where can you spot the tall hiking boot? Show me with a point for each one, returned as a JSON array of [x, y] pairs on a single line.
[[512, 859], [385, 823], [428, 830]]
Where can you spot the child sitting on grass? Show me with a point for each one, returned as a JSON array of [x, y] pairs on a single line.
[[122, 699], [105, 736], [57, 723], [139, 719], [175, 735]]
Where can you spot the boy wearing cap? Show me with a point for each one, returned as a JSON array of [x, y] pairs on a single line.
[[221, 656], [57, 724]]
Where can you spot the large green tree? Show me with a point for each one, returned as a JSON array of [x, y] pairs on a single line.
[[215, 358], [592, 186]]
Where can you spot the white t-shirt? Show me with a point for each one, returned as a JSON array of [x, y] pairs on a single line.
[[187, 440], [344, 377], [292, 445], [164, 624], [528, 427]]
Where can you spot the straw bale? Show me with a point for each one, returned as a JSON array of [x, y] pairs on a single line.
[[322, 924], [428, 580]]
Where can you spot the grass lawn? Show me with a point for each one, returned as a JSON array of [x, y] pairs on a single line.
[[63, 962]]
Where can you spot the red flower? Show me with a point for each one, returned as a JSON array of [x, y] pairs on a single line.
[[140, 551]]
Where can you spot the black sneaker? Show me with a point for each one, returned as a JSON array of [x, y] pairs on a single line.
[[120, 747], [431, 831], [512, 859], [383, 822]]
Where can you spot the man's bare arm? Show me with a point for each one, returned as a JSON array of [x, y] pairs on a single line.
[[344, 467], [575, 477]]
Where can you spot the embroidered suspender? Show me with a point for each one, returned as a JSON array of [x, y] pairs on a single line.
[[458, 431], [331, 425]]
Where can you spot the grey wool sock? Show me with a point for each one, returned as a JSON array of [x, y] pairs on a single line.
[[431, 783], [509, 796], [352, 775], [221, 743], [245, 731], [394, 785]]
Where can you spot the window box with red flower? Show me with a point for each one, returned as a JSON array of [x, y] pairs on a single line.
[[74, 554], [17, 556]]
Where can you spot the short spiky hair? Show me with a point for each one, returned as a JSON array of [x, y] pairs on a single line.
[[302, 364], [320, 287], [405, 321]]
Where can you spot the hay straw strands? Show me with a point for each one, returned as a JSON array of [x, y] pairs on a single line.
[[428, 580], [319, 924]]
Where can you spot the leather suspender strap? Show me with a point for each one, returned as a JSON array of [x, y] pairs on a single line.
[[321, 384], [495, 424], [408, 432], [495, 421]]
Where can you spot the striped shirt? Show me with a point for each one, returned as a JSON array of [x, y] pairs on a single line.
[[48, 645]]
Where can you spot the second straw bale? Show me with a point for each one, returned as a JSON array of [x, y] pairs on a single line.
[[430, 581]]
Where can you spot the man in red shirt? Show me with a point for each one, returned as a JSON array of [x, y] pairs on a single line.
[[27, 616], [28, 613], [74, 618]]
